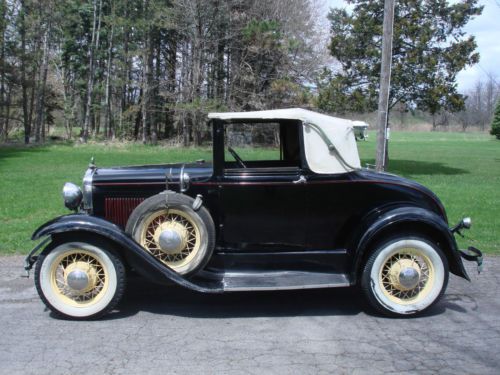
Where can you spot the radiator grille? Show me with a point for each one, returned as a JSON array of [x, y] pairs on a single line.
[[117, 210]]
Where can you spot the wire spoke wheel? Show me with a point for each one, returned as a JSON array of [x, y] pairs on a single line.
[[91, 271], [178, 224], [80, 280], [405, 276], [417, 266], [168, 227]]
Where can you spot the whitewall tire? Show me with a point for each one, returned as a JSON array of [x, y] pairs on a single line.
[[80, 280], [405, 276]]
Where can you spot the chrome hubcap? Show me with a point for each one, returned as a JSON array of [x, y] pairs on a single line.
[[409, 278], [170, 241], [78, 280], [80, 276]]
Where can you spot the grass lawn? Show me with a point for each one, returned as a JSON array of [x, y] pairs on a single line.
[[462, 169]]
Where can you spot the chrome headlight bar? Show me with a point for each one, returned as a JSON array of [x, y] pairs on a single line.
[[87, 189]]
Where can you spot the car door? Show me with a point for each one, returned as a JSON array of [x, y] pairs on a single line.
[[263, 209], [331, 202]]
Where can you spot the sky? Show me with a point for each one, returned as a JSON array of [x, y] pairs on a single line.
[[486, 29]]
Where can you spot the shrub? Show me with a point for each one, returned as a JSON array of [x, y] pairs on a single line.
[[495, 124]]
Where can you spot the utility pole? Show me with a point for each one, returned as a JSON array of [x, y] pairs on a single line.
[[385, 81]]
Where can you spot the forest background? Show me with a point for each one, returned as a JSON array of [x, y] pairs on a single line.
[[150, 70]]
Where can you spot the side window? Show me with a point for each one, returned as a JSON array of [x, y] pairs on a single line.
[[262, 145]]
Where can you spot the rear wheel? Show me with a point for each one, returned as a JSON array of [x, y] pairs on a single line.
[[405, 276], [80, 280]]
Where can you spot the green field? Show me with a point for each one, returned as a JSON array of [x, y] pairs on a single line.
[[462, 169]]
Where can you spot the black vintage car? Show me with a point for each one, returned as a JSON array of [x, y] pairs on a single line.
[[284, 205]]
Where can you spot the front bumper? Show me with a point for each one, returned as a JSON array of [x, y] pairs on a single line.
[[31, 259]]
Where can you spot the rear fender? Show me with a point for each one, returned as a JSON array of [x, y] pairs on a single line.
[[378, 225], [146, 264]]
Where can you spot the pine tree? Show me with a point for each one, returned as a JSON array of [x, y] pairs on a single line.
[[150, 69], [430, 47], [495, 124]]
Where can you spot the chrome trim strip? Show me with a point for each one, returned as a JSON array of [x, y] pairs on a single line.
[[87, 190], [284, 280]]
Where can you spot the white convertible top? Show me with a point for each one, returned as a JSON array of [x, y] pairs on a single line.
[[360, 123], [320, 157]]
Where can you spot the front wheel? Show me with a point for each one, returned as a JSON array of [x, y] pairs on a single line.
[[80, 280], [405, 276]]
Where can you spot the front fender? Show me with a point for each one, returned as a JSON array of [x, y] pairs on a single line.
[[79, 222], [141, 260], [378, 224]]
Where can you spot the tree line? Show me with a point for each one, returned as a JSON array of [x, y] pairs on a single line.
[[150, 69], [476, 114], [479, 105]]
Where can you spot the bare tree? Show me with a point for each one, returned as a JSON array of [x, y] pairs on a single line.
[[480, 104], [40, 101], [94, 45]]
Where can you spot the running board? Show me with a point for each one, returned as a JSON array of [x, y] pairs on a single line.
[[278, 280]]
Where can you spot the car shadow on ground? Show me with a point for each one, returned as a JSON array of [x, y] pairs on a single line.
[[143, 296], [414, 167]]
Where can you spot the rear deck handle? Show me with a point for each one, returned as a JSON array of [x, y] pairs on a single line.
[[301, 180]]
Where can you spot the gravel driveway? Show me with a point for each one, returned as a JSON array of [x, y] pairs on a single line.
[[159, 330]]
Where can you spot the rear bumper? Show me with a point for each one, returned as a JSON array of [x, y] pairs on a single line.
[[473, 255]]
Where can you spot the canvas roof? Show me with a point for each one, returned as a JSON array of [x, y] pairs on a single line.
[[319, 157]]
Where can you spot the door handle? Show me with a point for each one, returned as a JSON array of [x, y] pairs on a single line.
[[301, 180]]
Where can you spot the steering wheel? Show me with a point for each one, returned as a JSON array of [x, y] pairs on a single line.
[[237, 157]]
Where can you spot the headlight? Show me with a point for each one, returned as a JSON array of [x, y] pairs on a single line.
[[72, 196]]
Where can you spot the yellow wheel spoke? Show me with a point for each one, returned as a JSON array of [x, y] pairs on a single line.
[[83, 261], [390, 274], [175, 220]]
